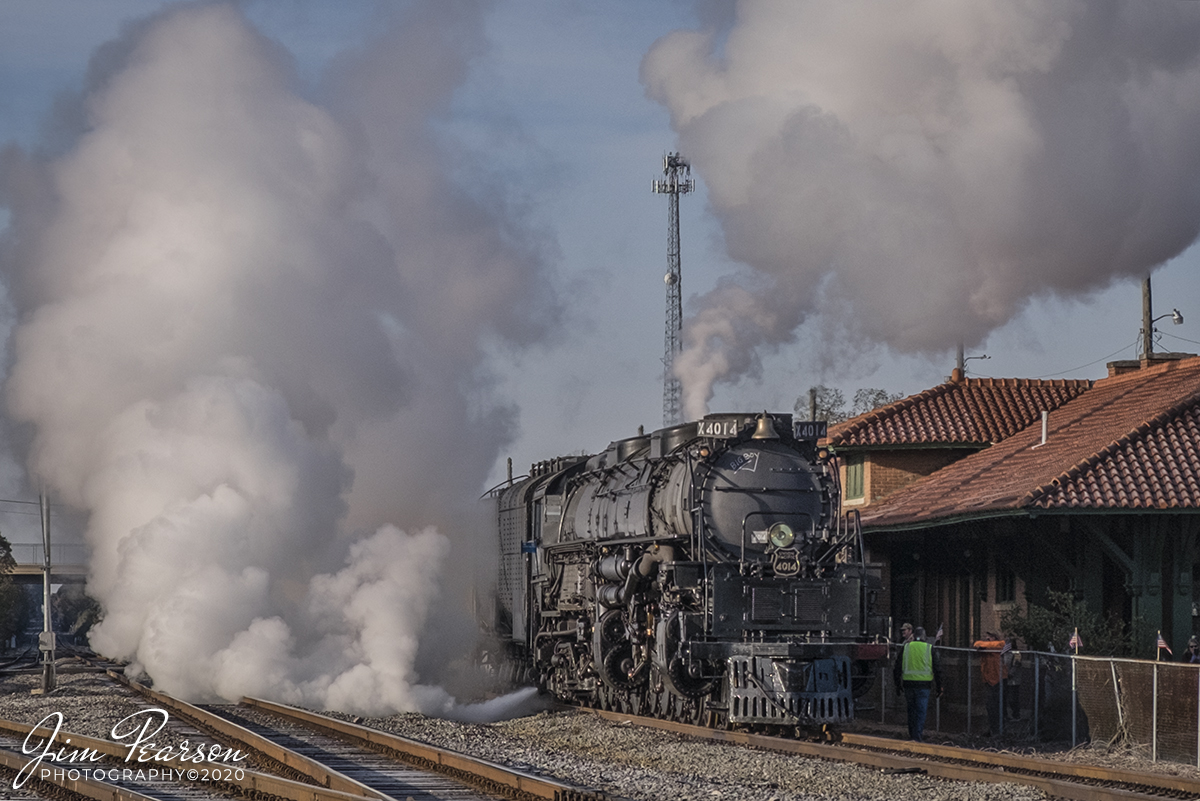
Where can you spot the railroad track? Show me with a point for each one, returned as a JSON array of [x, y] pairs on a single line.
[[322, 753], [1057, 779], [113, 773]]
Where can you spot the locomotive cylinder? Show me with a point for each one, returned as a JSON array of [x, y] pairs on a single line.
[[614, 567], [612, 596]]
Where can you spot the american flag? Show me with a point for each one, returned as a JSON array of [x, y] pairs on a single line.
[[1007, 647], [1163, 644], [1076, 641]]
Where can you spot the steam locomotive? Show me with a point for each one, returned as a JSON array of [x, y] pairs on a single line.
[[701, 573]]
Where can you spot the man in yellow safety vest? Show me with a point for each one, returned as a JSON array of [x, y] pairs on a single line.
[[917, 672]]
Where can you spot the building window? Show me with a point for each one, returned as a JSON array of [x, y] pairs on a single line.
[[855, 473], [1006, 585]]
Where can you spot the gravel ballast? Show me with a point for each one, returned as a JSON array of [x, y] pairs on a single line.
[[639, 763], [580, 748]]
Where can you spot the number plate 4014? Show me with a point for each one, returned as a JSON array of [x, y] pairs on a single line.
[[721, 429]]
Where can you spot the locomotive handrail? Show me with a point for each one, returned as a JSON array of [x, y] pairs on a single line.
[[854, 522], [856, 516], [762, 490], [503, 484]]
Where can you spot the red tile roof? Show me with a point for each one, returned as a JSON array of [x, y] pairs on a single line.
[[1131, 442], [973, 411]]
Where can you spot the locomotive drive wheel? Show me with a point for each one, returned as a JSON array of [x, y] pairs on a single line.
[[618, 663], [685, 684], [612, 629]]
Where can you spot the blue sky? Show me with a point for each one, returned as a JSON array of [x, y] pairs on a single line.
[[557, 113]]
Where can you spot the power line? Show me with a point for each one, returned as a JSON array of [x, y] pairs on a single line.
[[1183, 339], [1089, 364], [1097, 361]]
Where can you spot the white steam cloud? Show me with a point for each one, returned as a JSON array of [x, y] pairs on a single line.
[[926, 167], [251, 324]]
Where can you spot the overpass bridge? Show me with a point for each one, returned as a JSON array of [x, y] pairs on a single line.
[[68, 562]]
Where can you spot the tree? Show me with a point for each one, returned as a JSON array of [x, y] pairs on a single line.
[[1053, 625], [16, 609], [7, 563], [15, 604], [831, 404], [869, 399]]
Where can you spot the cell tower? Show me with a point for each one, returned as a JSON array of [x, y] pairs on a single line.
[[676, 181]]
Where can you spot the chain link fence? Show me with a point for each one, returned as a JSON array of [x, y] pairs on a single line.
[[1054, 697]]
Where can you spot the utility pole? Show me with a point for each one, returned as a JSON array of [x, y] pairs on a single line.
[[1147, 320], [676, 181], [46, 639]]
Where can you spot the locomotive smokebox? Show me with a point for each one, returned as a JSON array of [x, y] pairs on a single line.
[[754, 486]]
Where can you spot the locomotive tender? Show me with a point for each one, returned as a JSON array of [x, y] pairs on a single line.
[[701, 573]]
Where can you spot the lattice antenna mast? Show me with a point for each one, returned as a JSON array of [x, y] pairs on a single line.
[[677, 181]]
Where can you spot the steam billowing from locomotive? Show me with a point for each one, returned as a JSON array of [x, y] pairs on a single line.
[[923, 169], [251, 326]]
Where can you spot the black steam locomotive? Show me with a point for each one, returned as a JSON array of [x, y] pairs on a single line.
[[701, 573]]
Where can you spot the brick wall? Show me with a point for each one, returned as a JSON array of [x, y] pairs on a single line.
[[888, 471]]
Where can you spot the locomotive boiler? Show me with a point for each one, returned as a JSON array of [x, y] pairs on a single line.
[[700, 573]]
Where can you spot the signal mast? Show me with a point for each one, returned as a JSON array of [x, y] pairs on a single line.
[[677, 181]]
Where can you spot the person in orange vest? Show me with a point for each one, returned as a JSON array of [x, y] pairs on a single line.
[[994, 671], [917, 672]]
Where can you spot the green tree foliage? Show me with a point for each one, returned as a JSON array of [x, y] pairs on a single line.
[[831, 405], [1053, 625], [7, 562], [15, 604], [868, 399], [16, 608]]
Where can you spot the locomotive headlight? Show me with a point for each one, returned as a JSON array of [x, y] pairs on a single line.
[[781, 535]]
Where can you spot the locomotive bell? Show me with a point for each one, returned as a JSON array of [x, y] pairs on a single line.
[[765, 428]]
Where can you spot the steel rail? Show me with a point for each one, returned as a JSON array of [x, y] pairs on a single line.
[[1060, 784], [442, 759], [252, 781], [1028, 763], [87, 788], [322, 775]]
